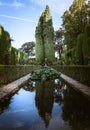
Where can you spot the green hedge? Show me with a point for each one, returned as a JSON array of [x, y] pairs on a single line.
[[10, 73], [77, 72]]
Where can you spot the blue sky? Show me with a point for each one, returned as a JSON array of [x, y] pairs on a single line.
[[20, 17]]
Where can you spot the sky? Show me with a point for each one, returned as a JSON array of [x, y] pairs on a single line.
[[20, 17]]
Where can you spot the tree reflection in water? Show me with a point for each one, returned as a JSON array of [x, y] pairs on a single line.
[[76, 110], [29, 86], [47, 93], [4, 104], [44, 100]]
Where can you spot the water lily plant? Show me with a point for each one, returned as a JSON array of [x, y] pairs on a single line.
[[44, 73]]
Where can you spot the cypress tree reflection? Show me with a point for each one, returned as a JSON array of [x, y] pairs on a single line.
[[44, 100], [76, 110], [29, 86], [4, 103]]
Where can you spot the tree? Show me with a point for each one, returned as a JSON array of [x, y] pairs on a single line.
[[59, 41], [45, 38], [74, 23], [18, 56], [1, 45], [88, 12], [29, 48], [80, 57], [5, 46], [86, 45]]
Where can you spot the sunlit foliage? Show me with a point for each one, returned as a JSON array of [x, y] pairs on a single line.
[[45, 37]]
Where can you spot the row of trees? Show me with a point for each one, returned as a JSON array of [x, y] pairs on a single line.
[[75, 34], [72, 41], [8, 54], [18, 57]]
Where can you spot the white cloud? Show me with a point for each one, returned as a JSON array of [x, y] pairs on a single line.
[[15, 4], [57, 6], [17, 18]]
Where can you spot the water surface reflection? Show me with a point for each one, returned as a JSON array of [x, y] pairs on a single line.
[[76, 110], [50, 105], [44, 100]]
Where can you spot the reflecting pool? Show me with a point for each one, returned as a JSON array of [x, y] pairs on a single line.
[[49, 105]]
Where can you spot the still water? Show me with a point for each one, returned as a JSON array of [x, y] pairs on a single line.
[[50, 105]]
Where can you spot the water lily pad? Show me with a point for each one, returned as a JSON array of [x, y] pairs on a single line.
[[44, 73]]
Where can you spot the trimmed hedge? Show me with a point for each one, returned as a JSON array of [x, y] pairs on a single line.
[[77, 72], [9, 73]]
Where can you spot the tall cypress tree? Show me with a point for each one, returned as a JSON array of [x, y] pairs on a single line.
[[74, 23], [44, 38], [1, 45], [5, 46]]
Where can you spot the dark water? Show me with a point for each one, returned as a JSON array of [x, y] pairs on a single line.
[[51, 105]]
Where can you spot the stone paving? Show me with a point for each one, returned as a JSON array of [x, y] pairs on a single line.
[[85, 90], [13, 86]]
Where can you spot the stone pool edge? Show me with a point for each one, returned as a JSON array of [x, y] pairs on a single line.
[[83, 89], [12, 87]]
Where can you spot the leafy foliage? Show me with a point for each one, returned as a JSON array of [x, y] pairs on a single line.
[[86, 45], [18, 57], [83, 47], [5, 46], [58, 37], [8, 54], [79, 48], [75, 22], [44, 73], [28, 48], [44, 37]]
